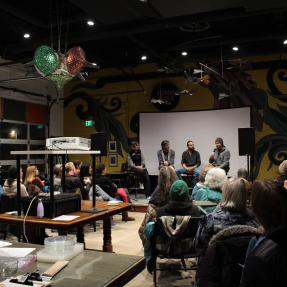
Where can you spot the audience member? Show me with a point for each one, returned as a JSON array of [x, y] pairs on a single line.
[[243, 173], [220, 156], [86, 179], [231, 210], [266, 260], [136, 164], [77, 164], [165, 155], [111, 189], [190, 161], [159, 197], [32, 181], [73, 183], [10, 184], [57, 171], [214, 180], [200, 183]]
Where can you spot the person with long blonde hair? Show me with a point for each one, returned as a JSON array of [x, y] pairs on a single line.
[[32, 181]]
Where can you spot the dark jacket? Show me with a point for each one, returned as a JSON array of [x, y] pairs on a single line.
[[266, 264], [73, 183], [221, 158], [221, 265], [191, 158], [106, 184]]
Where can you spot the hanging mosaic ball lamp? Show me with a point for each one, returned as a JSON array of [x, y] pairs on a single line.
[[57, 67]]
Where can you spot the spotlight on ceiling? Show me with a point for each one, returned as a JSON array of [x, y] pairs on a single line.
[[26, 35], [184, 53], [235, 48], [90, 23], [285, 42], [143, 57]]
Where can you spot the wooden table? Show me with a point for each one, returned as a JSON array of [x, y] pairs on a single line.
[[35, 227]]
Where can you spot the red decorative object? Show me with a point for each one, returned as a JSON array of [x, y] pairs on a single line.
[[76, 59]]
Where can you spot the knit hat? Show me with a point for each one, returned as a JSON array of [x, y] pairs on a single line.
[[283, 167], [219, 140], [179, 191]]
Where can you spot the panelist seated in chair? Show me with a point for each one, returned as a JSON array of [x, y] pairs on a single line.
[[190, 162], [136, 165], [165, 155]]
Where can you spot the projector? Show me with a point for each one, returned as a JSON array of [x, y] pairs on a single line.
[[72, 143]]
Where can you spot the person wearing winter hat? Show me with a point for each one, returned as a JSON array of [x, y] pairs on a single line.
[[220, 156], [179, 203]]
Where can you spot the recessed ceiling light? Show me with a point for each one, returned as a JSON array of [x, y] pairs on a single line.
[[143, 57], [235, 48], [90, 23], [184, 53], [285, 42], [26, 35]]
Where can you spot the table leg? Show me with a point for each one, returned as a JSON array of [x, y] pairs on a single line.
[[80, 235], [107, 230]]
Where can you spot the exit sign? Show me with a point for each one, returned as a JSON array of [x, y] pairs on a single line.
[[89, 123]]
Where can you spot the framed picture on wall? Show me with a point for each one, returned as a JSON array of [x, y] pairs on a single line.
[[112, 146], [113, 159]]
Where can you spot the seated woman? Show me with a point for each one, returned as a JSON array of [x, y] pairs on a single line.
[[266, 260], [231, 209], [111, 189], [32, 181], [86, 179], [159, 197], [214, 180], [10, 184], [107, 185]]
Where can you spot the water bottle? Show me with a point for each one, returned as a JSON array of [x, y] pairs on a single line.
[[40, 208]]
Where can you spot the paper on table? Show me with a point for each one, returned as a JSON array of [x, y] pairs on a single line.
[[15, 252], [4, 243], [66, 217]]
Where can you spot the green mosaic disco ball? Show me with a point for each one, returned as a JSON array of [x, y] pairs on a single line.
[[46, 60]]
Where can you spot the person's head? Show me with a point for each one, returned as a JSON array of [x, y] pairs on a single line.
[[219, 143], [12, 174], [234, 194], [179, 191], [101, 169], [77, 164], [135, 146], [165, 145], [215, 178], [31, 173], [269, 203], [85, 170], [57, 170], [283, 167], [70, 169], [190, 145], [204, 171], [242, 173]]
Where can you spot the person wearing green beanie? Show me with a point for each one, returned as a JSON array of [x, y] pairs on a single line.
[[179, 202]]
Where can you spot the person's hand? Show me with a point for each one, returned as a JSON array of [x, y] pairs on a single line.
[[285, 184], [165, 163], [140, 167]]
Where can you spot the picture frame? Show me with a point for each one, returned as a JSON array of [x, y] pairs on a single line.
[[113, 159], [112, 146]]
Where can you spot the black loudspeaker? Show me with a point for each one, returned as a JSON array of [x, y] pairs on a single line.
[[99, 142], [246, 141]]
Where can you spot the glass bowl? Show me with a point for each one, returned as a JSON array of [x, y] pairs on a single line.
[[59, 244], [8, 267]]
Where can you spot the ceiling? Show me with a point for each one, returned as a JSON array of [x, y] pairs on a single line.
[[161, 29]]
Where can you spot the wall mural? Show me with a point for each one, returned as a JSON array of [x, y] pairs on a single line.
[[103, 112], [236, 89]]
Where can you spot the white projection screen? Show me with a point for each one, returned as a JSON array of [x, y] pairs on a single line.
[[202, 127]]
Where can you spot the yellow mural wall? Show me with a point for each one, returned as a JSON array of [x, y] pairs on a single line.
[[134, 100]]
